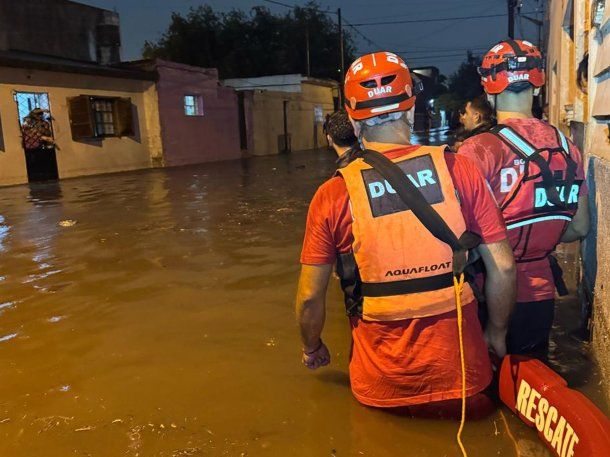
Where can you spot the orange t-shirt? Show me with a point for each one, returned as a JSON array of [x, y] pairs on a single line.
[[412, 361]]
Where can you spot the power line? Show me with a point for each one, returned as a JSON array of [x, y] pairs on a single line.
[[439, 19], [366, 38], [274, 2], [433, 57], [442, 50]]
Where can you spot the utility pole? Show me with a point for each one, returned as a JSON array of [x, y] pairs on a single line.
[[511, 17], [342, 62], [307, 50]]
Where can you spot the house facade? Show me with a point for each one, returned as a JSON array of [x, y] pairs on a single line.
[[199, 118], [102, 119], [283, 113], [60, 73], [578, 96]]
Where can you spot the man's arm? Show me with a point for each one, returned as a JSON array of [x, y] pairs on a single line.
[[311, 313], [500, 291], [580, 224]]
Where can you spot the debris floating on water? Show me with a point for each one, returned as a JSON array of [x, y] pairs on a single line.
[[84, 429], [67, 223], [7, 337]]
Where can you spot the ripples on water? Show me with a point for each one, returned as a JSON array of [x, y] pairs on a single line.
[[160, 322]]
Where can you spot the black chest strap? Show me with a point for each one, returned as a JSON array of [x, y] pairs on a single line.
[[529, 153]]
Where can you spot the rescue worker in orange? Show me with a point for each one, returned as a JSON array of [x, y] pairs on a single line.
[[537, 177], [396, 276]]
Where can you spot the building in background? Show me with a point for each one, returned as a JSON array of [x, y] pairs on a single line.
[[60, 64], [102, 119], [199, 118], [284, 112], [425, 117], [60, 28], [578, 97]]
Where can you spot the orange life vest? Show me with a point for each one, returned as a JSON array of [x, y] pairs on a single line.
[[404, 271]]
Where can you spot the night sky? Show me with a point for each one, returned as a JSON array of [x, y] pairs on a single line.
[[442, 44]]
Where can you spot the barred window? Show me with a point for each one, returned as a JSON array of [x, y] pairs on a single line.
[[103, 114], [193, 105], [99, 117]]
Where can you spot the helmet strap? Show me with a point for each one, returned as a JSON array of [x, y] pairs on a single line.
[[515, 47]]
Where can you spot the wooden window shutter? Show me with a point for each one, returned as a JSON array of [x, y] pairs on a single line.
[[81, 119], [123, 117]]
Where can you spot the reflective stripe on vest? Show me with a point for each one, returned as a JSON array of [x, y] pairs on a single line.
[[525, 151], [535, 220], [520, 146], [392, 248], [564, 142]]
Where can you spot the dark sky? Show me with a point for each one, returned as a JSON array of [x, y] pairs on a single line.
[[443, 44]]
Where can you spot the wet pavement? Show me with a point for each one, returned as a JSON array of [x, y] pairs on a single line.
[[151, 314]]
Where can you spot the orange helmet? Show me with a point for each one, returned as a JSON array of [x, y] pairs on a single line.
[[376, 84], [511, 62]]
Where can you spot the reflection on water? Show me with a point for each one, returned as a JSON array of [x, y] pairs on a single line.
[[160, 323]]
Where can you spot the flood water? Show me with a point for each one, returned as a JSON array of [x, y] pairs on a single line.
[[151, 314]]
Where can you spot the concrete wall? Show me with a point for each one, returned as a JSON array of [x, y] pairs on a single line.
[[596, 257], [195, 139], [59, 28], [84, 157], [268, 118], [585, 112]]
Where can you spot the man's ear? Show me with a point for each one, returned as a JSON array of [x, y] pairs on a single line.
[[411, 117], [330, 140]]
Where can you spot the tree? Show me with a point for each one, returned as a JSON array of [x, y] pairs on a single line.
[[464, 84], [255, 44]]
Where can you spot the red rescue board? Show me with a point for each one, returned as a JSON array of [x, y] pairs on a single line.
[[567, 422]]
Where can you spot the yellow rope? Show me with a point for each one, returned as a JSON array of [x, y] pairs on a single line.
[[510, 435], [458, 284]]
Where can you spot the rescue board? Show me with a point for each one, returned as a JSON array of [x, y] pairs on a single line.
[[566, 421]]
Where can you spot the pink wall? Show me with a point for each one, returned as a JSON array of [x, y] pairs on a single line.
[[195, 139]]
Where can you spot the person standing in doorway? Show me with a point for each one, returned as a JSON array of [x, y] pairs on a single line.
[[396, 276], [36, 131], [537, 177], [39, 146]]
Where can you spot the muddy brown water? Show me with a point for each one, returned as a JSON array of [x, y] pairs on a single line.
[[151, 314]]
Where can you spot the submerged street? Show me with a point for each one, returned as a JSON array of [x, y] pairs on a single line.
[[151, 314]]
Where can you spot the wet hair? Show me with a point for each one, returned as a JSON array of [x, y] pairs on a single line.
[[340, 129], [483, 107]]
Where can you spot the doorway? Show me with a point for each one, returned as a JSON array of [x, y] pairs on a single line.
[[36, 125]]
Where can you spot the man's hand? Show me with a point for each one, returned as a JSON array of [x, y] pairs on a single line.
[[496, 339], [500, 292], [311, 313], [316, 358]]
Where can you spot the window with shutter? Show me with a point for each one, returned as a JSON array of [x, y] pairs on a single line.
[[81, 119], [123, 117]]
